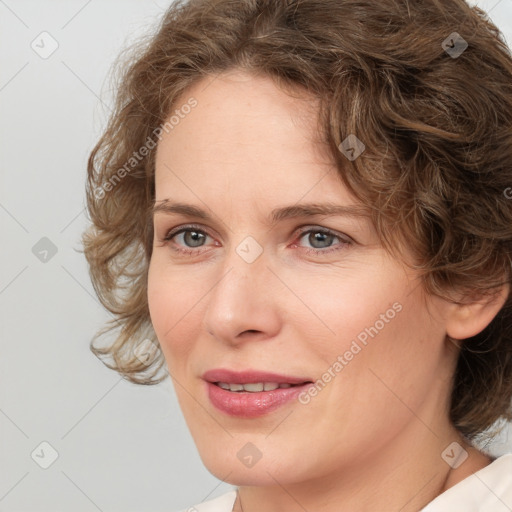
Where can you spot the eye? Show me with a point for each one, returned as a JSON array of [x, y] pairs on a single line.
[[186, 237], [192, 237], [321, 240], [187, 240]]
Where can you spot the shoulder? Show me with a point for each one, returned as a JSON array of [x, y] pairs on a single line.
[[487, 490], [222, 503]]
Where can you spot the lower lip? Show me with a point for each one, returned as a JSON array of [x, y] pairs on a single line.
[[246, 404]]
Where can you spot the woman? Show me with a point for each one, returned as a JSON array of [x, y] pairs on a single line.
[[304, 206]]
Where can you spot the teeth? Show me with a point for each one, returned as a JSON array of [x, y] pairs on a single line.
[[253, 387]]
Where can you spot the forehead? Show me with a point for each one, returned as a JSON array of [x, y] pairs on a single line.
[[244, 128], [242, 111]]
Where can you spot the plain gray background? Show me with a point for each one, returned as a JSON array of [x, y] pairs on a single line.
[[121, 447]]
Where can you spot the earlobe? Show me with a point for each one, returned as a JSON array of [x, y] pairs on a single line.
[[472, 317]]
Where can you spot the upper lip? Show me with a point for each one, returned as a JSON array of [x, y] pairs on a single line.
[[250, 376]]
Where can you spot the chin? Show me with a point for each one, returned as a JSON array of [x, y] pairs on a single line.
[[232, 465], [236, 474]]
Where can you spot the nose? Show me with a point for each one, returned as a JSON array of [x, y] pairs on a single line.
[[243, 304]]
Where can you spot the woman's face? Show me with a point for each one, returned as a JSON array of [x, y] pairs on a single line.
[[301, 295]]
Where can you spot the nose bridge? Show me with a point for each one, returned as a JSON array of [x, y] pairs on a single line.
[[240, 299], [244, 267]]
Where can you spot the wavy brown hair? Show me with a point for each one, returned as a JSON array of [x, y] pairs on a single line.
[[435, 118]]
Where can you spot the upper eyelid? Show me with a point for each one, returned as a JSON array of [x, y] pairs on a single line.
[[187, 227], [342, 237]]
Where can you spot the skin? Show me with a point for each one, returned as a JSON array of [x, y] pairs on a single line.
[[372, 439]]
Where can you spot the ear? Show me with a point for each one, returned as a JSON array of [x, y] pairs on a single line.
[[474, 314]]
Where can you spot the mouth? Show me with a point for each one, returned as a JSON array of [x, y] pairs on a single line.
[[251, 393]]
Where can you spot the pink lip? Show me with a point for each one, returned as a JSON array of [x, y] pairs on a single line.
[[248, 404]]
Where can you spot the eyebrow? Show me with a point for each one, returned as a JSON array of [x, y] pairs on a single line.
[[277, 214]]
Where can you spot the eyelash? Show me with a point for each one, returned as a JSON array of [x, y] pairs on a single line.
[[309, 250]]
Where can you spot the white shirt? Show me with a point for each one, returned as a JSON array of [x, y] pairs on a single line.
[[487, 490]]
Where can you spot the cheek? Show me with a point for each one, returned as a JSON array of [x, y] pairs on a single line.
[[394, 368], [160, 299], [174, 303], [342, 306], [366, 333]]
